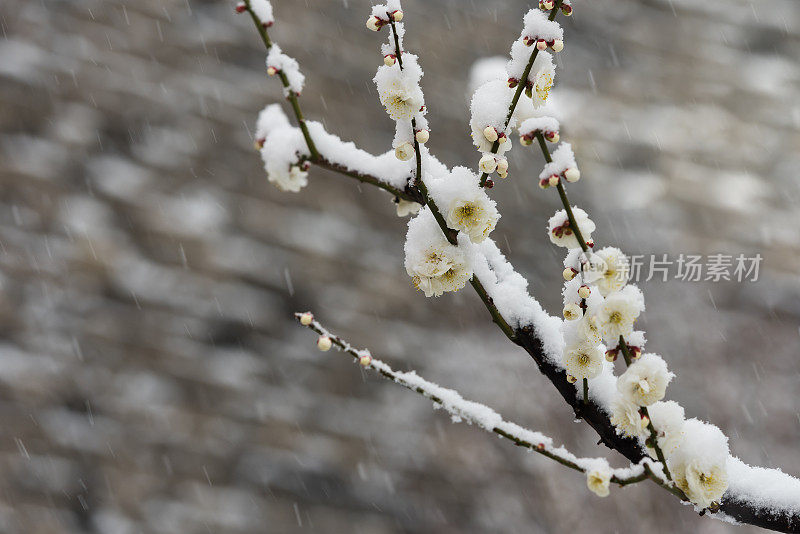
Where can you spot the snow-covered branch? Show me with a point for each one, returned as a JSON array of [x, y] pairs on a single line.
[[448, 245], [598, 471]]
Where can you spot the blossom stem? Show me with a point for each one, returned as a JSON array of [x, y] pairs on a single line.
[[418, 156], [585, 391], [623, 346], [262, 30], [409, 193], [563, 194], [521, 87]]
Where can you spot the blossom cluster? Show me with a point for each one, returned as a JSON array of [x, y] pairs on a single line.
[[600, 311]]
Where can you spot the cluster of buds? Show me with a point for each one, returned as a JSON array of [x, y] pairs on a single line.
[[491, 134], [527, 139], [422, 136], [489, 163], [613, 354], [547, 5], [376, 23], [513, 82], [570, 174], [556, 45]]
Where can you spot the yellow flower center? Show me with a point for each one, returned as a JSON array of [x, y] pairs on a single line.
[[615, 317]]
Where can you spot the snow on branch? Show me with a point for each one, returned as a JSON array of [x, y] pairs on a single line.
[[598, 471]]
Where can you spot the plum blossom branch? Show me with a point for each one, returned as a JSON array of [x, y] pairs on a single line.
[[521, 87], [461, 409]]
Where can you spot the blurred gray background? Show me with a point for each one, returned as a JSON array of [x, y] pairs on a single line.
[[151, 376]]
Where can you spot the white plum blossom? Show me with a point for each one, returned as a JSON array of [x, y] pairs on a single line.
[[560, 232], [618, 313], [399, 90], [464, 204], [699, 463], [434, 265], [611, 272], [626, 418], [406, 207], [475, 215], [543, 75], [591, 329], [583, 360], [645, 381], [598, 481], [667, 418]]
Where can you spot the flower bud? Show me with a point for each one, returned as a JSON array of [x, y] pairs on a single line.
[[558, 45], [487, 164], [541, 45], [389, 60], [259, 143], [544, 183], [547, 4], [502, 138], [404, 152], [553, 180], [584, 291], [528, 40], [306, 319], [502, 166], [490, 134], [571, 379], [572, 312], [512, 82], [397, 16], [553, 137], [241, 7], [569, 273], [590, 243], [529, 92], [526, 140], [489, 183], [272, 71], [572, 174], [374, 23], [645, 421], [365, 360], [611, 355], [422, 136], [503, 174], [324, 343], [566, 10]]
